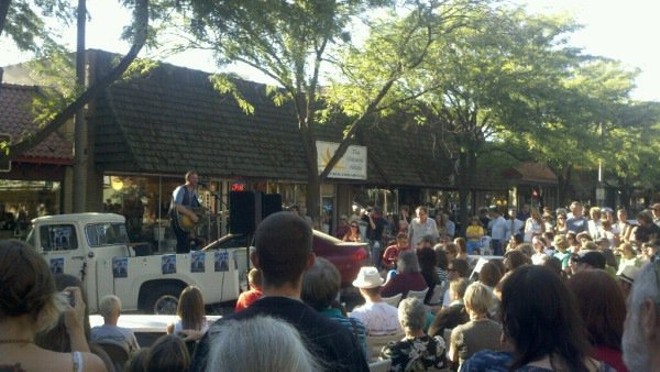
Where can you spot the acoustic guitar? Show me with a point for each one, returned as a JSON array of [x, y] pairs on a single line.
[[186, 223]]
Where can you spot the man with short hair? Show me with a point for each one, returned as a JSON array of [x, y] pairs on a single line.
[[283, 252], [320, 290], [641, 330], [513, 225], [342, 227], [184, 202], [421, 226], [497, 228], [576, 222], [109, 332]]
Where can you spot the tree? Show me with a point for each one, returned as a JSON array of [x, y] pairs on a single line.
[[290, 42], [632, 147], [69, 106], [496, 78], [594, 97]]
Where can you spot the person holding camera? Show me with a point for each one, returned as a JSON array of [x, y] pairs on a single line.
[[29, 305], [375, 227]]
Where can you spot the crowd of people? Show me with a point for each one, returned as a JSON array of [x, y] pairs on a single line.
[[570, 293]]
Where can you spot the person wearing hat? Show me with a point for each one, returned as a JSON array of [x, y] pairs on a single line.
[[586, 260], [627, 278], [378, 317]]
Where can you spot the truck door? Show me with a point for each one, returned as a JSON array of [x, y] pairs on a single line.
[[63, 251], [106, 241]]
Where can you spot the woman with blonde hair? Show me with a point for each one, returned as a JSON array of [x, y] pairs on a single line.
[[30, 304], [480, 332], [192, 323]]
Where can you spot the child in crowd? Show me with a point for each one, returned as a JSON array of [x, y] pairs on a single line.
[[248, 297]]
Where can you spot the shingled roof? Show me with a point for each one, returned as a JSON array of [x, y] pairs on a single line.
[[144, 123], [17, 119], [532, 173], [172, 119]]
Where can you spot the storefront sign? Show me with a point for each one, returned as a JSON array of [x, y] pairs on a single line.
[[353, 165]]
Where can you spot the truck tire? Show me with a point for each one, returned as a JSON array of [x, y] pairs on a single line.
[[163, 300]]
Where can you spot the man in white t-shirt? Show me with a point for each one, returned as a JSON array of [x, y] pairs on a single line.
[[421, 226], [497, 227], [379, 318]]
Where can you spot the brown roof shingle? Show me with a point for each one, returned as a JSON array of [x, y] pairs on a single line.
[[17, 119]]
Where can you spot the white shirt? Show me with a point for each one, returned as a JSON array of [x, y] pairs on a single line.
[[379, 318], [531, 227], [498, 228], [417, 230], [517, 226]]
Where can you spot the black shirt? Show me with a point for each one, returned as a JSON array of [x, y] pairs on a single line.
[[336, 347]]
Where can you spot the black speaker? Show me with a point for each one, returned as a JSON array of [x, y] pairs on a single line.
[[270, 203], [242, 216]]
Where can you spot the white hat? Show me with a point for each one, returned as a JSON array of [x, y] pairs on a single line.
[[368, 277], [628, 274]]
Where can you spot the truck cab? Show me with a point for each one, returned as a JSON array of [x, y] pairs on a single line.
[[95, 248]]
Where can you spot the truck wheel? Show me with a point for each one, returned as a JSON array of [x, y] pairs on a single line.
[[163, 300]]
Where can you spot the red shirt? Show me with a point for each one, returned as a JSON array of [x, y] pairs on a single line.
[[610, 356], [391, 254], [247, 298]]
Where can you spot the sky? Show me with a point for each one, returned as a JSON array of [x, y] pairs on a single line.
[[623, 30]]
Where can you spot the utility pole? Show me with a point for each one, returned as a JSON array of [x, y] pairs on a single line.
[[80, 140]]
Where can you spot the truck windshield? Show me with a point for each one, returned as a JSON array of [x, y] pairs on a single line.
[[99, 234]]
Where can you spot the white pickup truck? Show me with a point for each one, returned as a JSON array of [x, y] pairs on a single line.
[[95, 248]]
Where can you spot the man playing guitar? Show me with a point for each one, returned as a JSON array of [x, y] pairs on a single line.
[[184, 201]]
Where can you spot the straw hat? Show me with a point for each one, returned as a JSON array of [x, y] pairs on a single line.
[[368, 277]]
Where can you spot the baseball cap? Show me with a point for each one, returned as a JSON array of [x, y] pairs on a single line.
[[594, 259]]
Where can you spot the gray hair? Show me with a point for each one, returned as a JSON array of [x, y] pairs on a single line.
[[280, 347], [636, 352], [108, 305], [408, 262], [645, 286], [412, 314]]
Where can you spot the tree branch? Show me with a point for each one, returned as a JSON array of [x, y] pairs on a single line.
[[141, 15]]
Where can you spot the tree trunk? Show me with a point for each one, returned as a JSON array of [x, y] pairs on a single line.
[[81, 133], [463, 190]]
